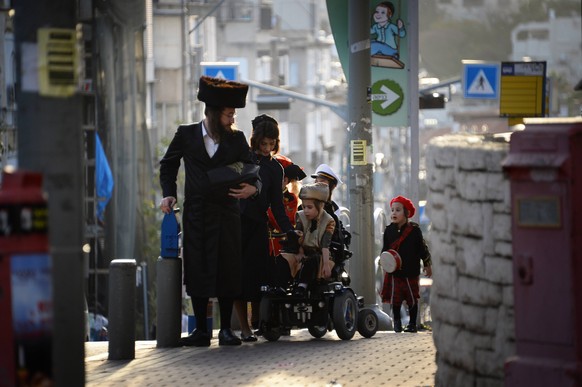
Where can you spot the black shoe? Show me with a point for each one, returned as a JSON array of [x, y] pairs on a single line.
[[411, 328], [397, 326], [258, 332], [196, 339], [226, 337], [248, 339]]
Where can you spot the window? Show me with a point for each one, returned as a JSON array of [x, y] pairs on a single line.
[[522, 35], [540, 34], [266, 18]]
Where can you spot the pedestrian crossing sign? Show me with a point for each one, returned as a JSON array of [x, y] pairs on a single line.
[[222, 70], [480, 80]]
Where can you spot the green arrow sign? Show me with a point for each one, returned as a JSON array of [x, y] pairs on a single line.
[[387, 97]]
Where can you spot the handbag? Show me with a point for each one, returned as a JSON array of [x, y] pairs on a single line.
[[233, 174]]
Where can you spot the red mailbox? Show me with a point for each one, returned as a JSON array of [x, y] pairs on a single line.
[[544, 166], [26, 314]]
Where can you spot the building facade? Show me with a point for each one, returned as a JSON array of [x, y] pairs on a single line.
[[284, 45]]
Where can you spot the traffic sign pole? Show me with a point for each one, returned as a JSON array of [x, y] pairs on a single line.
[[360, 167]]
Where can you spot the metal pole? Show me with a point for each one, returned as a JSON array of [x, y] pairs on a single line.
[[360, 132], [144, 287], [413, 102], [361, 157], [413, 111], [50, 141]]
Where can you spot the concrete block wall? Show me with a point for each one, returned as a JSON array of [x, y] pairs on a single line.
[[470, 240]]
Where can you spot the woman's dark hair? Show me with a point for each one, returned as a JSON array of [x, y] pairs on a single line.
[[264, 126]]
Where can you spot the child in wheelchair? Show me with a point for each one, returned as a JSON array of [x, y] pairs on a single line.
[[306, 259], [307, 249], [316, 295]]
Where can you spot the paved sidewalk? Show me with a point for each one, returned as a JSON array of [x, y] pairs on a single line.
[[387, 359]]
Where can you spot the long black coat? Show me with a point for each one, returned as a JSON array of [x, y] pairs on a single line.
[[211, 219]]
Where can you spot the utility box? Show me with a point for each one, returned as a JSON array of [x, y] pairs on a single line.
[[544, 167]]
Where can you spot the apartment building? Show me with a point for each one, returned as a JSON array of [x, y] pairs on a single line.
[[286, 45]]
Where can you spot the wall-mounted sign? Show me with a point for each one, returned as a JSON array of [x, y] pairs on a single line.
[[523, 88], [358, 152], [392, 27], [58, 62]]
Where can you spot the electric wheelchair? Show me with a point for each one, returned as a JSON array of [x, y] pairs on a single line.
[[326, 305]]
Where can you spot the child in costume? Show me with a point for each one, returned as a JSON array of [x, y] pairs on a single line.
[[341, 237], [314, 227], [292, 175], [403, 284]]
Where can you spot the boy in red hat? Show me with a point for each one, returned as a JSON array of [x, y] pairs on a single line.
[[403, 284]]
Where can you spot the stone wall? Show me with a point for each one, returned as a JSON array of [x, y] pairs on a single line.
[[470, 240]]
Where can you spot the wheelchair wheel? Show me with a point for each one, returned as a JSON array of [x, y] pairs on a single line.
[[345, 315], [271, 335], [317, 331], [367, 323], [268, 318]]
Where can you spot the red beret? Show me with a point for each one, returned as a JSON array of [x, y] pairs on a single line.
[[406, 203]]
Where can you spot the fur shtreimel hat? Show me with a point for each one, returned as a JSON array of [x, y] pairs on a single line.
[[223, 93], [315, 191]]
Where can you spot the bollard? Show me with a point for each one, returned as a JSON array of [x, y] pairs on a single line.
[[169, 308], [122, 298], [169, 284]]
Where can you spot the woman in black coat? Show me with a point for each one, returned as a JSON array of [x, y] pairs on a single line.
[[255, 221], [211, 216]]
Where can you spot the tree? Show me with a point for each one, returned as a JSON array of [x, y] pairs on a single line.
[[444, 42]]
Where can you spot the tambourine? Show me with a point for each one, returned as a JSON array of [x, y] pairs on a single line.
[[390, 261]]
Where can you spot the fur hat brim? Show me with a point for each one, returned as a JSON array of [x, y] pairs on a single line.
[[223, 93], [315, 191]]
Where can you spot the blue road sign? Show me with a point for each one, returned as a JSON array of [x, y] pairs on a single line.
[[224, 70], [480, 80]]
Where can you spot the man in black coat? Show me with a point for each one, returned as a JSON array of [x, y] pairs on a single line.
[[211, 216]]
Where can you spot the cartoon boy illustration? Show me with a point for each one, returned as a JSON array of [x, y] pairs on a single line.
[[385, 36]]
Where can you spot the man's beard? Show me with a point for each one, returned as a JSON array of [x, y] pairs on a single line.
[[222, 129]]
